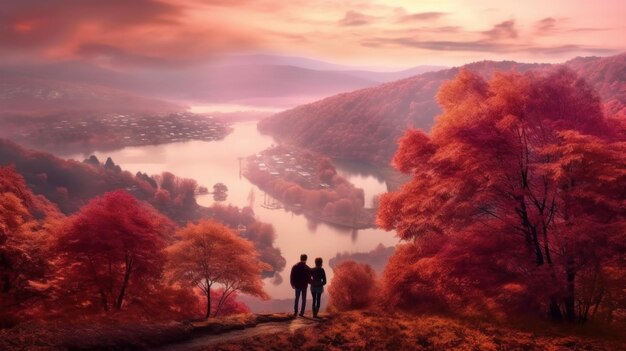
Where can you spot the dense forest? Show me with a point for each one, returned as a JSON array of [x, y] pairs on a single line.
[[115, 255], [365, 124], [90, 237], [516, 203]]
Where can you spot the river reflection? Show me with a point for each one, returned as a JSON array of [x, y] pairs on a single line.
[[218, 161]]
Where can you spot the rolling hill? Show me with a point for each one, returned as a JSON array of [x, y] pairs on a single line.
[[23, 94], [364, 125]]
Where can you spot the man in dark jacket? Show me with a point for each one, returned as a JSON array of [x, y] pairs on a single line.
[[300, 277]]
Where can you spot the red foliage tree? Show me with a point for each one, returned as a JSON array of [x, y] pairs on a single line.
[[112, 249], [522, 183], [354, 286], [411, 280], [210, 253]]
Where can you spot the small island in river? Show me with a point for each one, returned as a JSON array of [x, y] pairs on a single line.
[[307, 182]]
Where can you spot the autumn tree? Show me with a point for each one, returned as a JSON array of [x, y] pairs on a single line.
[[23, 252], [353, 286], [522, 186], [325, 170], [210, 253], [112, 249], [181, 190], [26, 222]]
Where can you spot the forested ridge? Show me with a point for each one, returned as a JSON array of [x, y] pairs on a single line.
[[364, 125]]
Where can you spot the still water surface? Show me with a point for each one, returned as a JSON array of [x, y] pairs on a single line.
[[218, 161]]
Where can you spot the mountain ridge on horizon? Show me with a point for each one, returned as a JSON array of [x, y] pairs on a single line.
[[264, 78], [273, 81]]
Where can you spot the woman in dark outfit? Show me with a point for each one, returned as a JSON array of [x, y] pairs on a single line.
[[318, 280]]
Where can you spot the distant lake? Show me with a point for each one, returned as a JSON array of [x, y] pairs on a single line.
[[218, 161]]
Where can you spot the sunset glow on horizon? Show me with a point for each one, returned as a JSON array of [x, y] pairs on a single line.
[[393, 34]]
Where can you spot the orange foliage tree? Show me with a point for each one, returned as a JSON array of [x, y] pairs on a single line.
[[354, 286], [516, 200], [113, 248], [26, 222], [210, 253]]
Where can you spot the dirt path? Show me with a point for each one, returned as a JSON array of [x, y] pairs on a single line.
[[265, 328]]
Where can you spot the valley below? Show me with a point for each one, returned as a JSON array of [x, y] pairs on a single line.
[[211, 162]]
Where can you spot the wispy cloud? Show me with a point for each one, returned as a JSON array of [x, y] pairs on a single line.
[[353, 18], [421, 16], [546, 25], [554, 26], [503, 30], [440, 45], [485, 46]]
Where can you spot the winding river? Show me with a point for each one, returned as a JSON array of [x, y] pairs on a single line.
[[218, 161]]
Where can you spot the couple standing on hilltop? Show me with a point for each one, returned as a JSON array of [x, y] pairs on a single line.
[[301, 276]]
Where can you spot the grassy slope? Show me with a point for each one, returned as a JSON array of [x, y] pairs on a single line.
[[121, 332], [359, 330], [376, 331]]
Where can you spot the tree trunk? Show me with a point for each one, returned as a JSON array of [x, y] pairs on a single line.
[[570, 298], [597, 302], [555, 310], [103, 299], [222, 300], [208, 302], [129, 267], [538, 254], [531, 231]]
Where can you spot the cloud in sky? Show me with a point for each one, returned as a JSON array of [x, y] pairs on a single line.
[[162, 33], [484, 46], [546, 25], [419, 17], [504, 30], [353, 18]]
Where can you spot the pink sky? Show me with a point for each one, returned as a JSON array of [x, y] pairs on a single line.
[[389, 33]]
